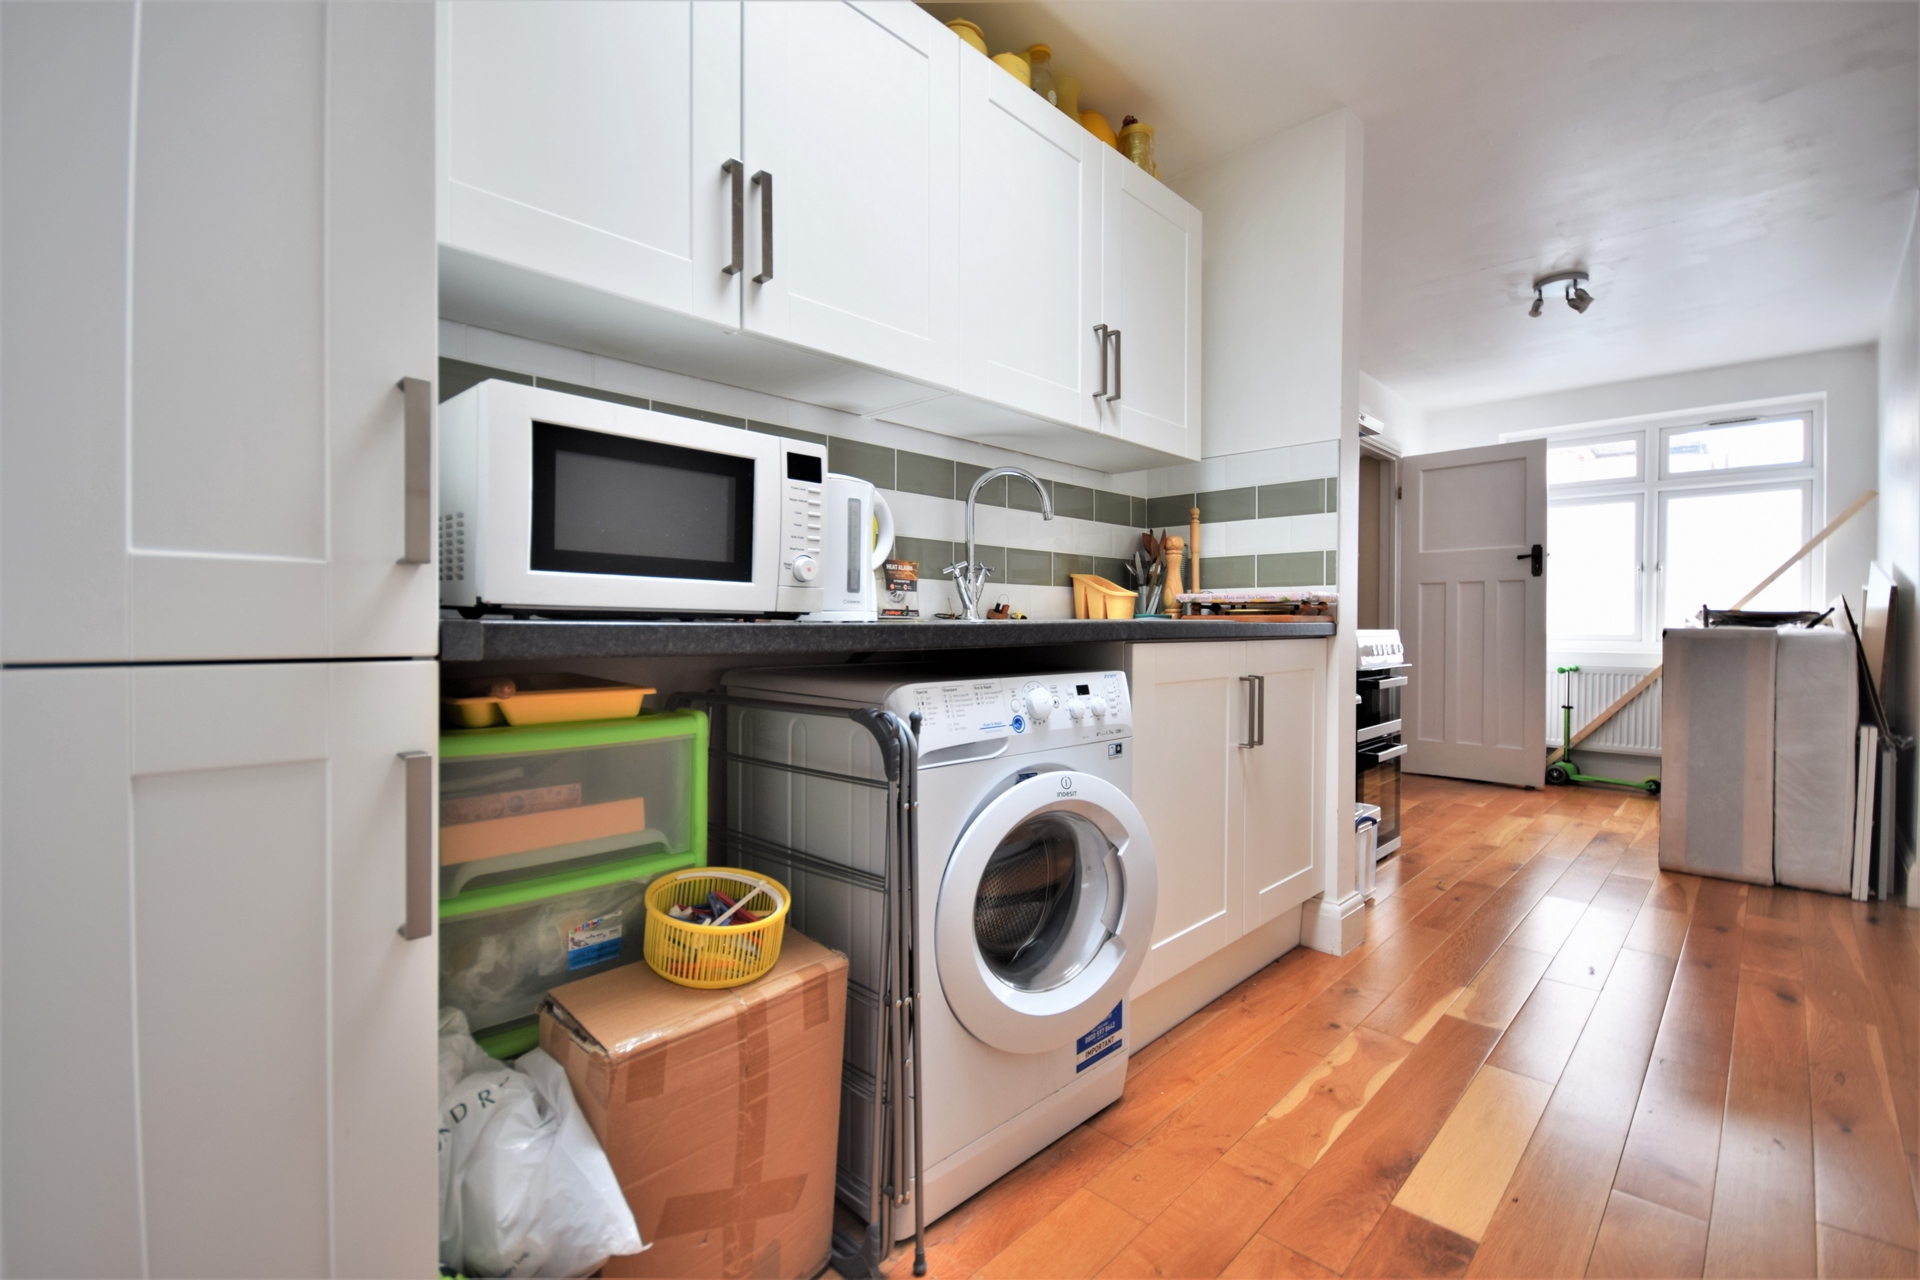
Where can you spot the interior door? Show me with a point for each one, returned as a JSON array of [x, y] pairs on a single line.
[[1030, 205], [851, 136], [1150, 291], [1473, 612], [218, 1056], [1189, 708], [1279, 776], [219, 265], [587, 141]]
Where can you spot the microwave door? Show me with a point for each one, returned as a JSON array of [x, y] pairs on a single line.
[[617, 505]]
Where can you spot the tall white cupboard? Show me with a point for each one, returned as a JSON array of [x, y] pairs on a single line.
[[218, 612]]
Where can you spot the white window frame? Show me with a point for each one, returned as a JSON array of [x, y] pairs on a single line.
[[1654, 485], [1753, 483]]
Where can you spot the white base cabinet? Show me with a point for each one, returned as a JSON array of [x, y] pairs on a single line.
[[1227, 765], [217, 1055]]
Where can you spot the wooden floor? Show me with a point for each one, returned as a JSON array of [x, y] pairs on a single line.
[[1549, 1058]]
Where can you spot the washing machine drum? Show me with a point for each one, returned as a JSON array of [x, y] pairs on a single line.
[[1045, 911]]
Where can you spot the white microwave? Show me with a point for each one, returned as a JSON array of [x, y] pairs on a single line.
[[552, 502]]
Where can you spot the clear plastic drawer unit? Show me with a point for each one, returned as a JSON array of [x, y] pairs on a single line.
[[549, 835]]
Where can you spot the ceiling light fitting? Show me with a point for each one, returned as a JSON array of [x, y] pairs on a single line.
[[1577, 296]]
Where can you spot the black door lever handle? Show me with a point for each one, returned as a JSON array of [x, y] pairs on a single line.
[[1539, 557]]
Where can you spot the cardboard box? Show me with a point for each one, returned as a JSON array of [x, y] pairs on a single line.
[[719, 1110]]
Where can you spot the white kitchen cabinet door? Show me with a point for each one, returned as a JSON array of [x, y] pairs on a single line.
[[1279, 776], [218, 247], [851, 135], [1188, 710], [217, 1054], [1030, 218], [587, 142], [1150, 292]]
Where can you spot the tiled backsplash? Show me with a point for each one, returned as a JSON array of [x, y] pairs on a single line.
[[1274, 527]]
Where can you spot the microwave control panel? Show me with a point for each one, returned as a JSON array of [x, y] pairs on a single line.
[[802, 519]]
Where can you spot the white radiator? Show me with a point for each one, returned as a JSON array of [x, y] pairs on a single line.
[[1635, 731]]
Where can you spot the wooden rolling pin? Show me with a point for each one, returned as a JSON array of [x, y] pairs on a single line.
[[1193, 546], [1174, 547]]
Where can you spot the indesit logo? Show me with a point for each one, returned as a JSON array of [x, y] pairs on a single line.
[[1066, 784]]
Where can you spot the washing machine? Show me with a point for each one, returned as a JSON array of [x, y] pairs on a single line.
[[1037, 890]]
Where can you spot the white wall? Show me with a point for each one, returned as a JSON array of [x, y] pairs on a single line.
[[1403, 422], [1899, 525], [1281, 282], [1847, 377], [1281, 279]]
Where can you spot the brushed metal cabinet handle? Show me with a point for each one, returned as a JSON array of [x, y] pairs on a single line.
[[1260, 705], [738, 172], [420, 819], [764, 181], [1100, 334], [1118, 364], [1253, 711], [417, 393]]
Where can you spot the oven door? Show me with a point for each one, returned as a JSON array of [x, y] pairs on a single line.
[[591, 505], [1377, 775], [1379, 692]]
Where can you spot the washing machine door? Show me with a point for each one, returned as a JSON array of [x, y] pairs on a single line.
[[1045, 911]]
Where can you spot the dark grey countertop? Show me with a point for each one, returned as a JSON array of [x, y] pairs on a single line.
[[504, 639]]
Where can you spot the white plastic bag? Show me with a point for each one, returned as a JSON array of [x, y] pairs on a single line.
[[525, 1189]]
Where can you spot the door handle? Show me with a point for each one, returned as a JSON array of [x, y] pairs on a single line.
[[1117, 363], [417, 447], [764, 181], [1392, 682], [1539, 557], [738, 172], [1100, 332], [1256, 710], [1391, 753], [420, 816]]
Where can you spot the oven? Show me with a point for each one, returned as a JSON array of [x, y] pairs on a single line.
[[1378, 745]]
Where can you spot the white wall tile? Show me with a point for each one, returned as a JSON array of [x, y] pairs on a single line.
[[919, 516], [1320, 458], [638, 380], [1316, 532], [719, 398], [523, 355]]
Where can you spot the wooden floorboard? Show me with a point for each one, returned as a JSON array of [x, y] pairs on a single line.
[[1548, 1057]]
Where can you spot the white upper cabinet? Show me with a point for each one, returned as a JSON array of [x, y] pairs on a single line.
[[1150, 292], [852, 149], [204, 443], [1030, 228], [586, 142]]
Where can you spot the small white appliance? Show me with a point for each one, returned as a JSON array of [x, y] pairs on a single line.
[[859, 540], [550, 501], [1037, 890]]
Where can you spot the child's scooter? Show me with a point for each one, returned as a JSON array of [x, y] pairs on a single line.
[[1565, 771]]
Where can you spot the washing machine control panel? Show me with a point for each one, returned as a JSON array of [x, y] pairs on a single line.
[[1088, 706]]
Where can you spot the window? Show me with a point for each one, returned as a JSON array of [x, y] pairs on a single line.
[[1648, 525]]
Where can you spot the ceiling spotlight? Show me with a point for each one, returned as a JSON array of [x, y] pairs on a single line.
[[1577, 296]]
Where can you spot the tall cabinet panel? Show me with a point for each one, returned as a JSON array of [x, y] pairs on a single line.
[[1279, 778], [851, 137], [1150, 291], [218, 1055], [203, 450], [1030, 223], [586, 141]]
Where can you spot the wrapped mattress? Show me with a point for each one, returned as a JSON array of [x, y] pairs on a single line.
[[1816, 715], [1716, 768]]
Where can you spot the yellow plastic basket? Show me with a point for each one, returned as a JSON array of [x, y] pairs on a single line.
[[710, 956]]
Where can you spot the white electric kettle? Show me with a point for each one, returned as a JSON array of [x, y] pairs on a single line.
[[852, 550]]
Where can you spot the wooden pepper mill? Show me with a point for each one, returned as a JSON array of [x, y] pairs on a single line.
[[1193, 548], [1175, 546]]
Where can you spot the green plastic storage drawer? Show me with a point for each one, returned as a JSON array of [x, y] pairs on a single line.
[[549, 835]]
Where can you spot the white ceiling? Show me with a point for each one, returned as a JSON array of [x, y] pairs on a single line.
[[1737, 176]]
